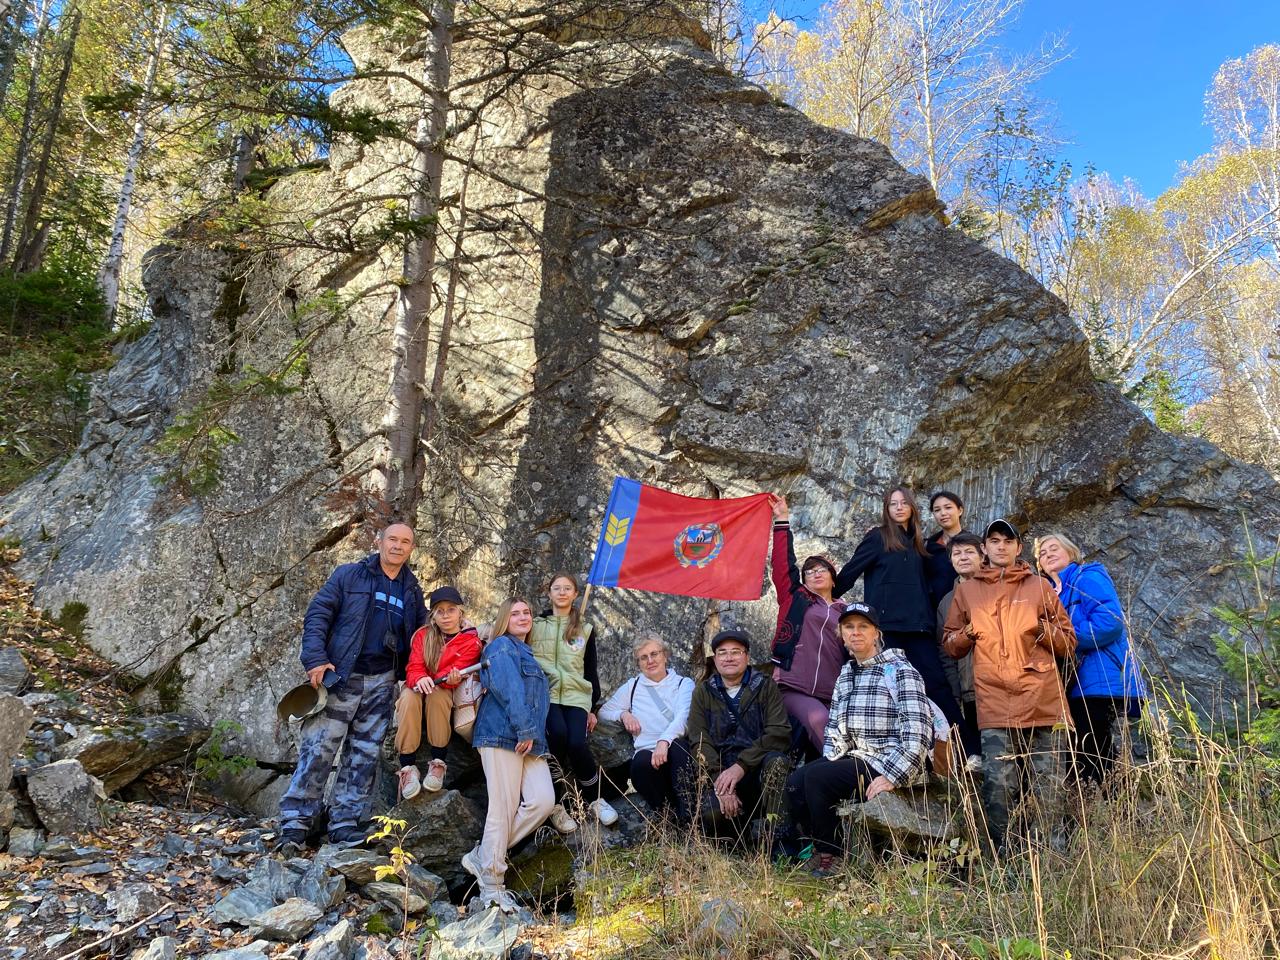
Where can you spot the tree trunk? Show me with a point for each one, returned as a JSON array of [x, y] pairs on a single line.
[[402, 466], [243, 157], [34, 234], [109, 275], [21, 153], [15, 23]]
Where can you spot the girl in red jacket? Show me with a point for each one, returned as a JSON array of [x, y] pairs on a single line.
[[437, 654]]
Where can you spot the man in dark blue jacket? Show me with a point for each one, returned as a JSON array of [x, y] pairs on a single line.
[[355, 641]]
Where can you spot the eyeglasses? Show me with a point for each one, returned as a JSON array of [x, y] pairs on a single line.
[[812, 570], [651, 656]]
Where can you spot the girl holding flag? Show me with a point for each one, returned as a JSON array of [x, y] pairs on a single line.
[[565, 647]]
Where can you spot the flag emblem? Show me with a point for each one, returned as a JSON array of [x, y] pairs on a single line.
[[697, 545]]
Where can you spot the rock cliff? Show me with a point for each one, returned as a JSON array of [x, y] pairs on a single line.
[[667, 275]]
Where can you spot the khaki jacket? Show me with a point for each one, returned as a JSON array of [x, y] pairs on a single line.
[[1019, 629]]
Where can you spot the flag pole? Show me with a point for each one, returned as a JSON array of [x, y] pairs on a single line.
[[582, 611]]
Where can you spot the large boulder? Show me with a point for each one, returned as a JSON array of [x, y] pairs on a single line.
[[14, 672], [66, 798], [15, 721], [441, 828], [120, 753], [677, 279]]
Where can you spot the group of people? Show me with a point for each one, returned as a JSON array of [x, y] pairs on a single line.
[[959, 647]]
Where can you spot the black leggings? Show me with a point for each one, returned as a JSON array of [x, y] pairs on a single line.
[[567, 739], [1093, 749], [657, 786], [816, 789], [922, 650]]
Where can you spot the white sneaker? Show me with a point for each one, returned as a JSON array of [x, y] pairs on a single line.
[[471, 862], [974, 763], [561, 820], [434, 780], [499, 897], [604, 812], [410, 784]]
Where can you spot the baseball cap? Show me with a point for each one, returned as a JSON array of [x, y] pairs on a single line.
[[858, 608], [1002, 525], [733, 633], [444, 595]]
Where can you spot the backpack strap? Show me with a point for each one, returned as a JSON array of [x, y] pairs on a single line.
[[635, 683]]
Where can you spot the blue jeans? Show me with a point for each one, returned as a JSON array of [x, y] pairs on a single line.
[[358, 711]]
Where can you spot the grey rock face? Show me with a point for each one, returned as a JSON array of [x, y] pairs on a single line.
[[336, 943], [161, 948], [120, 754], [14, 672], [25, 842], [356, 865], [396, 896], [133, 901], [66, 798], [442, 827], [241, 905], [289, 921], [672, 261], [722, 921], [15, 721], [913, 818], [488, 935]]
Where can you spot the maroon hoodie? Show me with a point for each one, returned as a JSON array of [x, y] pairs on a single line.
[[807, 650]]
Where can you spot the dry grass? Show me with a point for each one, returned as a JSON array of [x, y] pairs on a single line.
[[1183, 860]]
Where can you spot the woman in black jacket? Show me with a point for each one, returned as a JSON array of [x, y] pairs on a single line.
[[892, 559]]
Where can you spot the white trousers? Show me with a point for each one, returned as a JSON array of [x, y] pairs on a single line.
[[521, 797]]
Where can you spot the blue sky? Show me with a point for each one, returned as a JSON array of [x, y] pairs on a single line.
[[1131, 96]]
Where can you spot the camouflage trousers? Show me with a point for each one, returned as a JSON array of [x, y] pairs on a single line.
[[1020, 764], [359, 712]]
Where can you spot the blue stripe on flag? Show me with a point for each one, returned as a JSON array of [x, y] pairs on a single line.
[[624, 502]]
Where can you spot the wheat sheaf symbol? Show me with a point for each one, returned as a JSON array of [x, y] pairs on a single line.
[[615, 530]]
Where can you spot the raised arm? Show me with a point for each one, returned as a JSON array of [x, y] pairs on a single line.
[[868, 551]]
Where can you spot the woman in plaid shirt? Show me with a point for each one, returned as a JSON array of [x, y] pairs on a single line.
[[879, 734]]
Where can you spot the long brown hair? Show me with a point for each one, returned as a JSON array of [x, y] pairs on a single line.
[[892, 534], [503, 620], [575, 613]]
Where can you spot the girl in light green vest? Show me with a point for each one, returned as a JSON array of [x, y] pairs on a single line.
[[566, 649]]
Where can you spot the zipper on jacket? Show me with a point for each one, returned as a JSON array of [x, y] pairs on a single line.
[[817, 664]]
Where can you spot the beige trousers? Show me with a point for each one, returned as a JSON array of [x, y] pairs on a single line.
[[409, 710], [521, 797]]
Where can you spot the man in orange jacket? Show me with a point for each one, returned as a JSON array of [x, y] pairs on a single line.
[[1017, 628]]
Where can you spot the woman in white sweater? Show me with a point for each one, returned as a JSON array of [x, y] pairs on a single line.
[[654, 709]]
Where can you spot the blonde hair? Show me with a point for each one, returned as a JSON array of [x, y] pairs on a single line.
[[503, 620], [1073, 551]]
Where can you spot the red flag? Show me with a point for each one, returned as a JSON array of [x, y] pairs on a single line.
[[660, 541]]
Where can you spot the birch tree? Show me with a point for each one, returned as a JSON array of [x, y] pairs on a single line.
[[109, 274], [22, 151], [402, 461]]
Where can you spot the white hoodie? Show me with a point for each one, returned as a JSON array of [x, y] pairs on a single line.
[[662, 708]]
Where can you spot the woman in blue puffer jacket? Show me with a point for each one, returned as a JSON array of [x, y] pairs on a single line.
[[1108, 683]]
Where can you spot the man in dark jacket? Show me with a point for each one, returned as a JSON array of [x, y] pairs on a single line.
[[735, 742], [355, 641]]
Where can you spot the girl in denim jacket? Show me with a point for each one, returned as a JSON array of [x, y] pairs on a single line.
[[510, 735]]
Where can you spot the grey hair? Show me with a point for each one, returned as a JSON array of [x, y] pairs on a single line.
[[647, 637]]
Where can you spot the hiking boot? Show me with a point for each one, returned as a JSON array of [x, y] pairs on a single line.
[[604, 812], [564, 823], [471, 862], [499, 897], [291, 843], [434, 780], [347, 837], [410, 783]]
